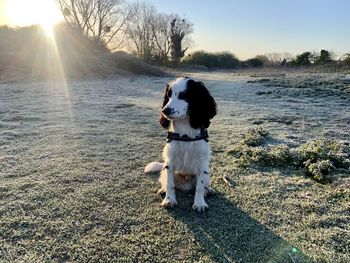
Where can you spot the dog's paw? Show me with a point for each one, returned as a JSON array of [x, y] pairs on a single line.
[[169, 203], [200, 207], [209, 191]]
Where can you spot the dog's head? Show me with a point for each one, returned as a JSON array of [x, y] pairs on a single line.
[[187, 98]]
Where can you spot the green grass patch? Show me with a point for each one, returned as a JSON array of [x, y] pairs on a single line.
[[254, 137], [321, 159]]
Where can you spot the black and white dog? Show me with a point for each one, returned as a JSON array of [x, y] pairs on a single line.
[[187, 110]]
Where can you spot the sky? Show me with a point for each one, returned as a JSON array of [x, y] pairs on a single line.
[[248, 27], [28, 12], [251, 27]]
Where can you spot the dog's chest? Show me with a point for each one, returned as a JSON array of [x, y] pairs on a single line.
[[187, 157]]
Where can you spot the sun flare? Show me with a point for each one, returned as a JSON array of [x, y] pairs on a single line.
[[30, 12]]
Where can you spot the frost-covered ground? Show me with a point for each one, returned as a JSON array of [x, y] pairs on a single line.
[[72, 187]]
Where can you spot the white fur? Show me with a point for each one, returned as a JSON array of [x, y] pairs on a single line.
[[154, 167], [186, 164], [179, 106]]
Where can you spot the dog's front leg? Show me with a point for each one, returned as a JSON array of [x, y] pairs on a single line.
[[170, 198], [202, 182]]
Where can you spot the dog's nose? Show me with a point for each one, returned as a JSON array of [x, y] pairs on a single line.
[[166, 111]]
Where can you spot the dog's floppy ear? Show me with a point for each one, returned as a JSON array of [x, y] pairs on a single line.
[[201, 105], [164, 122]]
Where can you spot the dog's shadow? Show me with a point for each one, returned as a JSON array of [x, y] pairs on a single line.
[[228, 234]]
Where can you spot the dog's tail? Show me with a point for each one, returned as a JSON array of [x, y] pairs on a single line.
[[154, 167]]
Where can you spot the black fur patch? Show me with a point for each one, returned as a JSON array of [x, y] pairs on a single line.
[[164, 122], [201, 105], [182, 96], [170, 92]]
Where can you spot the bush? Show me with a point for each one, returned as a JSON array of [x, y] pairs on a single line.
[[318, 158], [227, 60], [224, 60], [132, 64], [303, 59], [253, 62], [254, 137], [325, 57], [346, 59], [308, 58]]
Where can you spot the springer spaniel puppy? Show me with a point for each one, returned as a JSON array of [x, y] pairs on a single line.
[[187, 110]]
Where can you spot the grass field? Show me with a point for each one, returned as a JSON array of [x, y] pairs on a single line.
[[72, 187]]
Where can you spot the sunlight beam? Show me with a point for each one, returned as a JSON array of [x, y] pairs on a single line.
[[29, 12]]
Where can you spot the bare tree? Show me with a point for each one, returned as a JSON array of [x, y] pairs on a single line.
[[102, 20], [161, 31], [288, 56], [140, 29], [155, 36], [275, 59]]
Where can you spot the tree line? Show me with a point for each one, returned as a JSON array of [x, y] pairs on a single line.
[[229, 61], [154, 37], [163, 39]]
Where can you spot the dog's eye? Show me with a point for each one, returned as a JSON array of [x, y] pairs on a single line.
[[169, 93], [182, 96]]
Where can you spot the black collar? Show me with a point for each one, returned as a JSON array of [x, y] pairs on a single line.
[[172, 136]]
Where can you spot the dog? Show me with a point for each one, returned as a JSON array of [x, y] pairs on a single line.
[[186, 112]]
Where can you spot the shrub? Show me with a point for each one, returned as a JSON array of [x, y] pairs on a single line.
[[346, 59], [253, 62], [223, 60], [325, 57], [227, 60], [303, 59], [132, 64], [254, 137], [318, 158], [319, 169]]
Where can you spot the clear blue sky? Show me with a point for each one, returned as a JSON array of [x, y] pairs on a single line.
[[251, 27]]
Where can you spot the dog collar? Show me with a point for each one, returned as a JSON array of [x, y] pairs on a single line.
[[173, 136]]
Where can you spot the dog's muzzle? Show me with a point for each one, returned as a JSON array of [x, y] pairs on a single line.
[[168, 111]]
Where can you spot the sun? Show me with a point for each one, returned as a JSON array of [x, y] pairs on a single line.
[[29, 12]]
